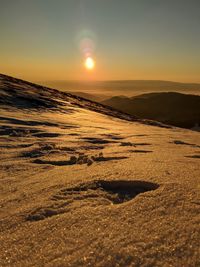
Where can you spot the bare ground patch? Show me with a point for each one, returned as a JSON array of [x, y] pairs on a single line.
[[193, 156], [80, 159], [93, 140], [134, 144], [140, 151], [179, 142]]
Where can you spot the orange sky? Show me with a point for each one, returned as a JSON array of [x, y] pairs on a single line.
[[46, 40]]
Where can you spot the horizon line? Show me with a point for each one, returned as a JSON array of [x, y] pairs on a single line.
[[120, 80], [96, 81]]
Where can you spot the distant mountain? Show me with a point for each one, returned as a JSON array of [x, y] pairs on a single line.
[[173, 108], [92, 97], [128, 88]]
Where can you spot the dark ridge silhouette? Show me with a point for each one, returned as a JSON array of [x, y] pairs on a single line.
[[182, 110]]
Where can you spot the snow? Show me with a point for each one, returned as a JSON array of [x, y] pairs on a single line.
[[83, 225]]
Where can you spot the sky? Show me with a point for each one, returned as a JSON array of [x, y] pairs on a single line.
[[44, 40]]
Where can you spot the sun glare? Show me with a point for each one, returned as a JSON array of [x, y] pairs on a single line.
[[89, 63]]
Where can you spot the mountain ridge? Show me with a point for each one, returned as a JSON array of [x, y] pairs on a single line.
[[8, 85], [172, 108]]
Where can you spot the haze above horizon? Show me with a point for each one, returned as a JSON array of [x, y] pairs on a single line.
[[128, 40]]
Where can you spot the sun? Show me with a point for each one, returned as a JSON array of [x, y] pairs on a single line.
[[89, 63]]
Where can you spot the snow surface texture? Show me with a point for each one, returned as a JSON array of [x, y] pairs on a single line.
[[85, 185]]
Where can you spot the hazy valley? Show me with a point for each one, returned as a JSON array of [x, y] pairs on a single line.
[[172, 103]]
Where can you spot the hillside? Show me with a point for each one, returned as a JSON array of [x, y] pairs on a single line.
[[85, 185], [169, 107]]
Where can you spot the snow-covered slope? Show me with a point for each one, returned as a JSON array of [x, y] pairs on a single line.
[[85, 185]]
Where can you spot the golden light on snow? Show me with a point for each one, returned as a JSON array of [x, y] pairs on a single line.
[[89, 63]]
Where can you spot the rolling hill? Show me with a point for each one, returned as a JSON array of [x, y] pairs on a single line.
[[173, 108]]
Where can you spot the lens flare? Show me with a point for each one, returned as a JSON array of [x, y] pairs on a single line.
[[87, 43], [89, 63]]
